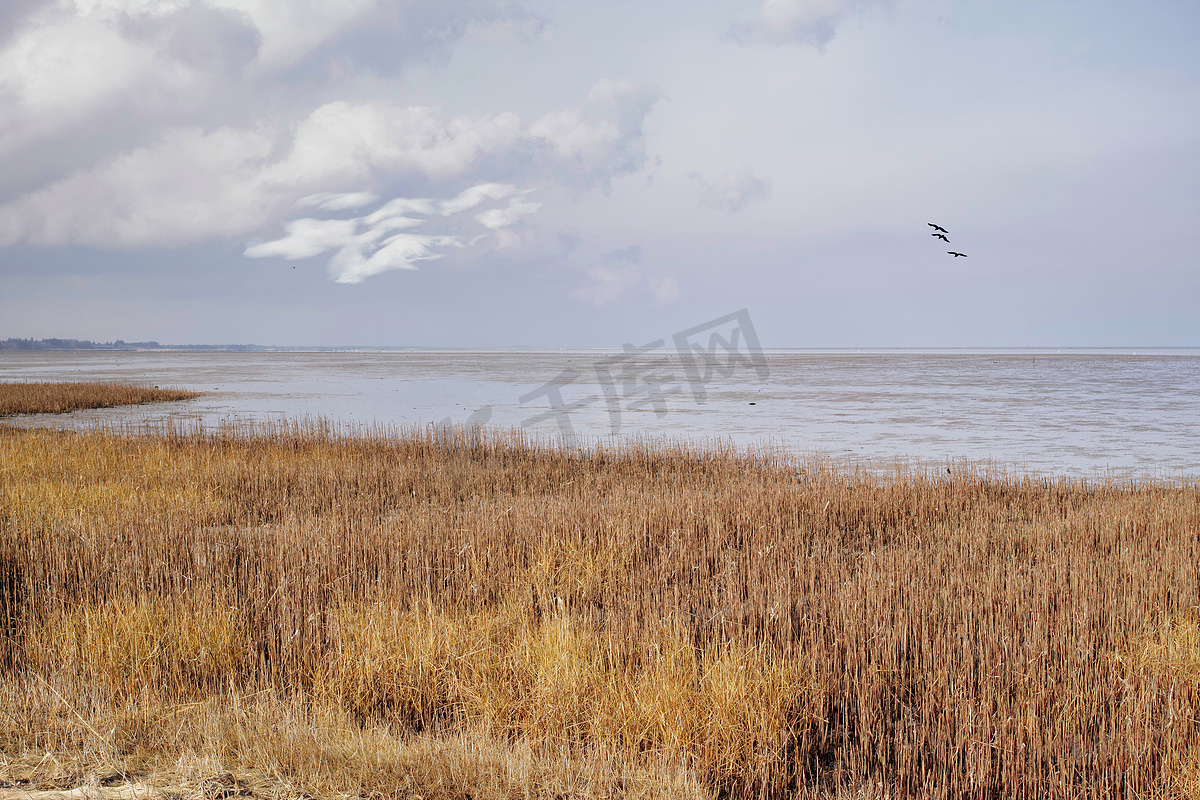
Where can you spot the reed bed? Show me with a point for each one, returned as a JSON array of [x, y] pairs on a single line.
[[57, 398], [450, 614]]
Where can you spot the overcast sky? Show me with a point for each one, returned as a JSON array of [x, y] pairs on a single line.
[[508, 173]]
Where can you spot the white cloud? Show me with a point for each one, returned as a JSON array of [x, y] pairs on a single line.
[[353, 140], [103, 63], [307, 238], [363, 257], [398, 208], [463, 201], [497, 218], [360, 250], [500, 220], [621, 270], [194, 185], [508, 30], [293, 29], [665, 290], [50, 76], [599, 138], [335, 201], [370, 244], [618, 271], [610, 281], [69, 63], [803, 21], [473, 196], [732, 190]]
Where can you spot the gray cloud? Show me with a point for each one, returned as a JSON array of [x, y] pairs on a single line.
[[621, 270], [398, 34], [665, 290], [220, 41], [15, 12], [593, 141], [337, 201], [129, 71], [812, 22], [732, 190], [195, 184], [201, 124], [618, 271]]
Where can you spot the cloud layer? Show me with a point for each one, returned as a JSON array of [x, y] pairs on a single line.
[[212, 119], [68, 61], [195, 184]]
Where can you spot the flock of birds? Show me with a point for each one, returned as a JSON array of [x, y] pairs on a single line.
[[940, 233]]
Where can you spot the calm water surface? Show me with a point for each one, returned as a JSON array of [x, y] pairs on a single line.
[[1080, 413]]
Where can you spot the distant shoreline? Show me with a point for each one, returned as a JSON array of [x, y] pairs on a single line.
[[84, 345], [13, 345]]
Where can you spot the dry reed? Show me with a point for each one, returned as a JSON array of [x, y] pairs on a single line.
[[57, 398], [470, 614]]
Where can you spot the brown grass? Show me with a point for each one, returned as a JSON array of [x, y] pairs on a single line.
[[58, 398], [473, 615]]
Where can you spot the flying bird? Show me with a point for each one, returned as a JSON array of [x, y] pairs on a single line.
[[937, 228], [957, 255], [941, 236]]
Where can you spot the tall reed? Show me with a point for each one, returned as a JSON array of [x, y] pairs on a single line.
[[56, 398], [653, 617]]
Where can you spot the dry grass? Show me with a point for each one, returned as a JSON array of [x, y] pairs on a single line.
[[58, 398], [473, 615]]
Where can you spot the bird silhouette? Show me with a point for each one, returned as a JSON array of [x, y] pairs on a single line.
[[940, 236], [937, 228], [957, 255]]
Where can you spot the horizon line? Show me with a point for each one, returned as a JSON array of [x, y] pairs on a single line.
[[119, 345]]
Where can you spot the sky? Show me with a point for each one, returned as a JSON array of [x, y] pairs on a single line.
[[528, 173]]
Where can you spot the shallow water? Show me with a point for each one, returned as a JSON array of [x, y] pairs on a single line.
[[1081, 413]]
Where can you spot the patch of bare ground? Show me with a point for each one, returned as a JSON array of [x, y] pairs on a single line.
[[451, 615]]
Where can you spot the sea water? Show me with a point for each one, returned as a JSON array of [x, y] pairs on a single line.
[[1085, 413]]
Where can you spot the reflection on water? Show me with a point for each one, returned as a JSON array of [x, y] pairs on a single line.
[[1077, 412]]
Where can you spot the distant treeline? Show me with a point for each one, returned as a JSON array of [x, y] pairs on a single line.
[[74, 344], [119, 344]]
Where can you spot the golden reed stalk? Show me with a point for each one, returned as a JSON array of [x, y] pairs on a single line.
[[473, 614], [58, 398]]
